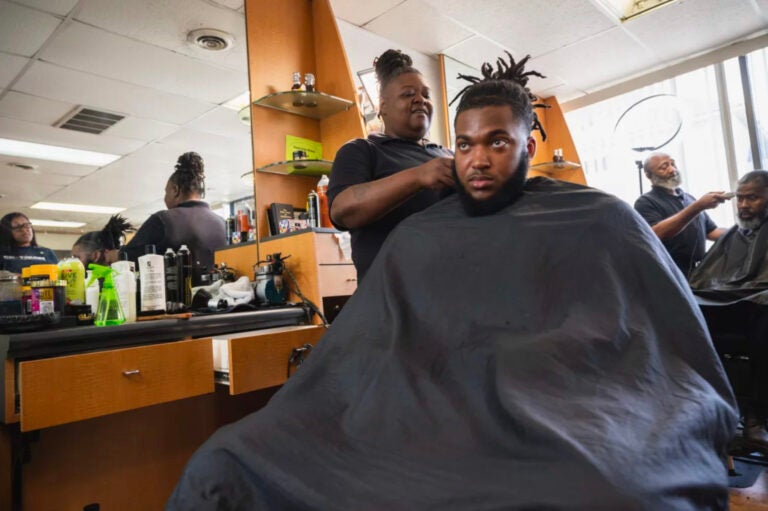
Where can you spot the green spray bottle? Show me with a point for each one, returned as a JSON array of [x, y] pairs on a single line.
[[109, 311]]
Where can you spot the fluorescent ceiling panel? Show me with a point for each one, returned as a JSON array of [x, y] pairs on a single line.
[[55, 223], [80, 208], [55, 153]]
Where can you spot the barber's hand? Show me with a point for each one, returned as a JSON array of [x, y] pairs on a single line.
[[436, 174], [711, 200]]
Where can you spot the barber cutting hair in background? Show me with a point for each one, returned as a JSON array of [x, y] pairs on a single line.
[[677, 217]]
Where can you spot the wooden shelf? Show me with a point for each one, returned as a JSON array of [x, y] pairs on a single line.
[[555, 166], [315, 105], [298, 167]]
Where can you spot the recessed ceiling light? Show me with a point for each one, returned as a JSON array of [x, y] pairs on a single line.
[[55, 223], [80, 208], [210, 39], [627, 9], [54, 153]]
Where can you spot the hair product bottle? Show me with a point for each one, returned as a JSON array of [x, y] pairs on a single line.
[[184, 267], [171, 278], [125, 284], [152, 275]]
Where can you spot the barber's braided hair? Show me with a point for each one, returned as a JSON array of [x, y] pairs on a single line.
[[190, 174], [391, 64], [505, 85]]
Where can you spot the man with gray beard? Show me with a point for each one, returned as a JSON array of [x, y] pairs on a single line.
[[677, 217], [731, 285]]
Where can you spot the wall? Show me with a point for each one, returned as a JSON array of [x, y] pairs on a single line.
[[363, 46], [56, 241]]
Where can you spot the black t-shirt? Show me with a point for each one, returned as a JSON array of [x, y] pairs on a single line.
[[688, 247], [378, 156]]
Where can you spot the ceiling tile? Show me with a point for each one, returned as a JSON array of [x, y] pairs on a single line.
[[223, 122], [29, 132], [419, 26], [165, 23], [26, 189], [475, 50], [614, 48], [677, 29], [10, 66], [22, 30], [47, 167], [54, 82], [563, 93], [25, 107], [99, 52], [231, 4], [360, 13], [37, 176], [140, 129], [60, 7], [529, 26]]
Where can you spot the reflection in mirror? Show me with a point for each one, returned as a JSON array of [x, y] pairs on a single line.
[[453, 86]]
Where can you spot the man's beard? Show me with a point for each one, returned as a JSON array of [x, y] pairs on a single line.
[[670, 183], [510, 190], [753, 223]]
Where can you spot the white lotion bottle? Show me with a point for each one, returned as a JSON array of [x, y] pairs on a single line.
[[152, 278], [125, 284]]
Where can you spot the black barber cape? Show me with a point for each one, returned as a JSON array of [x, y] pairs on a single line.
[[734, 269], [549, 356]]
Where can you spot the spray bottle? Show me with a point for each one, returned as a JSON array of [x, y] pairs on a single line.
[[109, 312]]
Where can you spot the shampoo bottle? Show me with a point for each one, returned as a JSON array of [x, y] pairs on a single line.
[[125, 284], [184, 267], [109, 312], [322, 199], [152, 281]]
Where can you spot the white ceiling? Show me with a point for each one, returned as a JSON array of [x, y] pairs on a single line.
[[131, 57]]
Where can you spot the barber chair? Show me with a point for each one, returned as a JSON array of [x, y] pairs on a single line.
[[732, 346]]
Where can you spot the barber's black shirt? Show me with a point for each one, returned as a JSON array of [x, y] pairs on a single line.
[[191, 223], [378, 156], [688, 247]]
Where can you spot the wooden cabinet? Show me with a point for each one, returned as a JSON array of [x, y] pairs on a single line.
[[318, 264], [66, 389], [260, 359]]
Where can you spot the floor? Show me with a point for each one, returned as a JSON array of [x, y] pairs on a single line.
[[754, 498]]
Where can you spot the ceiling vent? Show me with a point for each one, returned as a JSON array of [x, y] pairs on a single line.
[[211, 39], [89, 120]]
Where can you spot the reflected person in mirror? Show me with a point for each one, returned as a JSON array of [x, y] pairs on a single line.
[[18, 244], [677, 217], [187, 221], [378, 181], [102, 247]]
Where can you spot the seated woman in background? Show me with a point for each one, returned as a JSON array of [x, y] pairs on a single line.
[[188, 221], [101, 247], [18, 244]]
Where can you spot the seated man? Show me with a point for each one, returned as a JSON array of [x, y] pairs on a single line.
[[519, 345], [732, 285]]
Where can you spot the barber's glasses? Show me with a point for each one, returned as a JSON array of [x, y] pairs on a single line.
[[21, 227]]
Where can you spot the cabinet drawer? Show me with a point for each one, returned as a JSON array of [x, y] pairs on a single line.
[[259, 359], [337, 279], [328, 251], [66, 389]]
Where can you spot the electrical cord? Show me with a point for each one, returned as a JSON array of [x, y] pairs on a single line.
[[304, 299]]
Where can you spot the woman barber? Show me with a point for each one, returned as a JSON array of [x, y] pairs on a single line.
[[18, 244], [377, 182], [187, 221]]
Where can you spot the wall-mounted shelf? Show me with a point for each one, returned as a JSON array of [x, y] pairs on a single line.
[[298, 167], [315, 105], [555, 166]]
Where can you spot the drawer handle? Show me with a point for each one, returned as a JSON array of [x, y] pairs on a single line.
[[132, 372]]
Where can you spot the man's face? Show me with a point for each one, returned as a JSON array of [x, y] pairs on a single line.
[[406, 107], [663, 172], [492, 152], [752, 204]]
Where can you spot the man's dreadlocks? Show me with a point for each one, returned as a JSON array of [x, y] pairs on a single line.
[[505, 85]]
